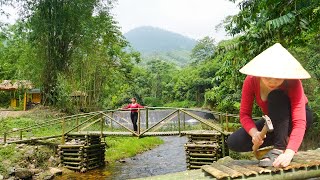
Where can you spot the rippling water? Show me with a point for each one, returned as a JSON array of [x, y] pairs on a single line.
[[166, 158]]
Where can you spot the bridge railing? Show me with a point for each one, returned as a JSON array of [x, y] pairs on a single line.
[[63, 125], [176, 119], [219, 121]]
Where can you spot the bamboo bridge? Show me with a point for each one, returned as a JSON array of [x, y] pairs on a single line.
[[172, 121], [156, 121]]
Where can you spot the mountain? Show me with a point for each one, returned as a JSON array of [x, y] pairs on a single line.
[[156, 43]]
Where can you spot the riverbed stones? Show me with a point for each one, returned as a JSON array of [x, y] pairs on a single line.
[[55, 171], [23, 173], [1, 177], [203, 148], [82, 152]]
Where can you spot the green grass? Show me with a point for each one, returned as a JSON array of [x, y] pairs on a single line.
[[123, 147]]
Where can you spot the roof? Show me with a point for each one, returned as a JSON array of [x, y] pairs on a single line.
[[34, 91], [10, 85]]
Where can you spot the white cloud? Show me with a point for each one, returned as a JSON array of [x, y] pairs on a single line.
[[193, 18]]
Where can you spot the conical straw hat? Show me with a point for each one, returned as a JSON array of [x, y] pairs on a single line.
[[275, 62]]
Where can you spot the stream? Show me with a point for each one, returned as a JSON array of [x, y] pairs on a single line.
[[166, 158]]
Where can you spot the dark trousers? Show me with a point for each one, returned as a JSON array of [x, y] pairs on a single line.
[[134, 119], [280, 114]]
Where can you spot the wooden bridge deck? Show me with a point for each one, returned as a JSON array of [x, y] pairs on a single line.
[[305, 165], [108, 133]]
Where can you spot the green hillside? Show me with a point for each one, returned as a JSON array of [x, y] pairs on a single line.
[[155, 43]]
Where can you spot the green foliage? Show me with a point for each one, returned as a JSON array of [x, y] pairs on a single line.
[[204, 49], [122, 147], [152, 101], [182, 104]]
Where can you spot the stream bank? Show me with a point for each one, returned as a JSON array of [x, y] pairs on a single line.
[[166, 158]]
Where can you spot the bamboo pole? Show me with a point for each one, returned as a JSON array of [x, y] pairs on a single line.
[[88, 125], [5, 138], [184, 121], [216, 127], [179, 127], [63, 131], [164, 122], [101, 126], [227, 123], [158, 122], [147, 118], [20, 135], [77, 123], [139, 121], [111, 125], [120, 124]]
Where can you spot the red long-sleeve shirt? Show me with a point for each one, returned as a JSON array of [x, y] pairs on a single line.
[[298, 100], [134, 107]]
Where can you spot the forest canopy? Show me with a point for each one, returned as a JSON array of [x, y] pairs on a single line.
[[66, 46]]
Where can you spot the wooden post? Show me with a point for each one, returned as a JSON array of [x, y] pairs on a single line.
[[139, 121], [184, 121], [223, 146], [5, 138], [227, 123], [77, 123], [25, 101], [179, 122], [221, 120], [111, 126], [63, 131], [20, 134], [147, 118], [101, 126]]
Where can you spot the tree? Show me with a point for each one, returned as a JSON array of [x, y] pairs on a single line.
[[204, 49]]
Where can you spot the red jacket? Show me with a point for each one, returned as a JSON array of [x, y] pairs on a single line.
[[298, 100], [134, 107]]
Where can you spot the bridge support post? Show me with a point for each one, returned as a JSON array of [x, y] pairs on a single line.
[[139, 122], [184, 121], [101, 126], [227, 123], [77, 122], [147, 118], [5, 138], [179, 122], [111, 125], [63, 131], [20, 133]]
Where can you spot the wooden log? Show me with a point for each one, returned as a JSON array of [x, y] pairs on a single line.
[[72, 159], [258, 169], [215, 172], [201, 155], [231, 172], [243, 170]]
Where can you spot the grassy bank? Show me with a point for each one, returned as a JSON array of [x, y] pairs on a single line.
[[122, 147]]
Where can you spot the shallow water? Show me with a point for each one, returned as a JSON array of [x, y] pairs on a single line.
[[166, 158]]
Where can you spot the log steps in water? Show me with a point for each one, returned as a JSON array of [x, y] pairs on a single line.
[[82, 152], [203, 148]]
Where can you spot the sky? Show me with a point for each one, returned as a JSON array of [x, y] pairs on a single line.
[[192, 18]]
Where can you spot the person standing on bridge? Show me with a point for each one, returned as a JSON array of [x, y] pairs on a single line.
[[134, 107], [273, 82]]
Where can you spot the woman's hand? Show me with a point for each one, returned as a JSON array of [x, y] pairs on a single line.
[[283, 160], [257, 139]]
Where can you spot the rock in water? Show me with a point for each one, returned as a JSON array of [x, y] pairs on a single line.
[[1, 177], [55, 171], [23, 173]]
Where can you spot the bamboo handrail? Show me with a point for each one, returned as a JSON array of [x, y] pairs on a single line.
[[53, 120], [158, 122], [119, 123]]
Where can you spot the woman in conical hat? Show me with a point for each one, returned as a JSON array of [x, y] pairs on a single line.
[[273, 82]]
